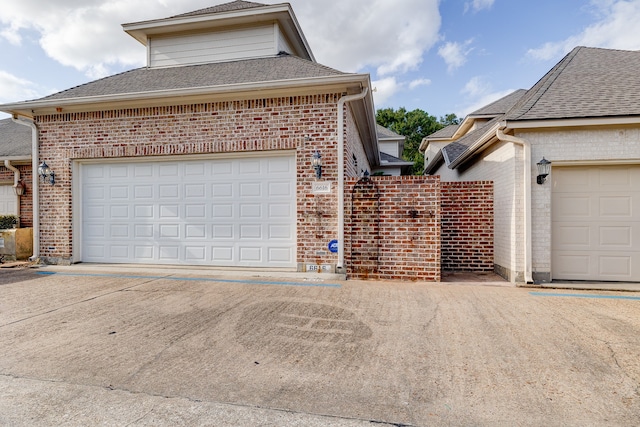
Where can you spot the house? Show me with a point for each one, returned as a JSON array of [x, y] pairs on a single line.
[[391, 147], [230, 148], [15, 171], [580, 222]]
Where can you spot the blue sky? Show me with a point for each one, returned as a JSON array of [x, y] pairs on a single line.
[[447, 56]]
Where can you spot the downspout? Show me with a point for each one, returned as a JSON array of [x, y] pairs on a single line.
[[528, 245], [34, 172], [341, 103], [16, 180]]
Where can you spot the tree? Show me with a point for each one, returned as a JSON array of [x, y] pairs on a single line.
[[414, 125]]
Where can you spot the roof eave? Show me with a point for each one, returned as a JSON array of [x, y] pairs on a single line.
[[434, 163], [162, 97], [571, 122], [486, 139]]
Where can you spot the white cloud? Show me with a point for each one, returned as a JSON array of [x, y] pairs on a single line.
[[390, 36], [385, 89], [479, 93], [478, 5], [419, 82], [455, 54], [12, 88], [614, 30]]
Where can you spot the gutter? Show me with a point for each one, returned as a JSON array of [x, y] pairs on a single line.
[[36, 192], [528, 244], [341, 103]]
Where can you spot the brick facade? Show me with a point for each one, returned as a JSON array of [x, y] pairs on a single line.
[[467, 226], [300, 124], [393, 229]]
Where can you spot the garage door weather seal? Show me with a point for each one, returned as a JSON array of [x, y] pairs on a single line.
[[195, 279]]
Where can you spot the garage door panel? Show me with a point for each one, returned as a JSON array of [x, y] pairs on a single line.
[[166, 215], [596, 223]]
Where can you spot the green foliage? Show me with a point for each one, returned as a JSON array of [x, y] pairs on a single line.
[[414, 125], [8, 221]]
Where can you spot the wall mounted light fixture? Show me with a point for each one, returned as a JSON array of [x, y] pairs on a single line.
[[45, 172], [316, 161], [544, 167], [19, 188]]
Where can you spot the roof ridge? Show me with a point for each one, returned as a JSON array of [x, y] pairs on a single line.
[[223, 7], [532, 96]]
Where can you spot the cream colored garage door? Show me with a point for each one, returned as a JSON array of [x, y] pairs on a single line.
[[218, 212], [596, 223]]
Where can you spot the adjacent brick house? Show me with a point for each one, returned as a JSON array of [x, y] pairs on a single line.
[[204, 156], [15, 172], [583, 222]]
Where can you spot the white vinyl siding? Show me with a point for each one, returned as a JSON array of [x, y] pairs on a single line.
[[232, 212], [217, 46]]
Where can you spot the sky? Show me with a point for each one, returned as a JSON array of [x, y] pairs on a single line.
[[440, 56]]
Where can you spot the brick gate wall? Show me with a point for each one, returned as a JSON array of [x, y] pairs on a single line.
[[412, 227], [397, 235], [467, 226]]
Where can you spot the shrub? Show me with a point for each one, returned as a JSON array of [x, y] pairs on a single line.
[[8, 221]]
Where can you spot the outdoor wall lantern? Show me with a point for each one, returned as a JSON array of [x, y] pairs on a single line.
[[45, 172], [316, 161], [19, 188], [544, 167]]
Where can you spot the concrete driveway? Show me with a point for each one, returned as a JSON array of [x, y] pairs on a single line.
[[180, 347]]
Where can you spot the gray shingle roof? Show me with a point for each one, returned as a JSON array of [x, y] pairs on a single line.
[[587, 83], [500, 106], [445, 132], [384, 133], [226, 7], [282, 67], [15, 139], [455, 149]]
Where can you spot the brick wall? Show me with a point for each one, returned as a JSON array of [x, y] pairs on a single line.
[[299, 123], [393, 228], [467, 226]]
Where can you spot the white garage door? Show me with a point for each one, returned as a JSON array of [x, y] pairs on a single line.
[[7, 200], [222, 212], [596, 223]]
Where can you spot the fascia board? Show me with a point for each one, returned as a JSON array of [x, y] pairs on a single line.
[[480, 143], [437, 159], [565, 123], [233, 91]]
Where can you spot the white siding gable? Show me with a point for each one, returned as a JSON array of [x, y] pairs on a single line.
[[219, 46]]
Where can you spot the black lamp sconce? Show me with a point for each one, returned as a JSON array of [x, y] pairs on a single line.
[[19, 188], [544, 167], [45, 172], [316, 161]]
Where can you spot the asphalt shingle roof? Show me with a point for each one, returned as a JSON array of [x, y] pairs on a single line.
[[383, 133], [15, 139], [282, 67], [445, 132], [226, 7], [500, 106], [455, 149], [587, 83]]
